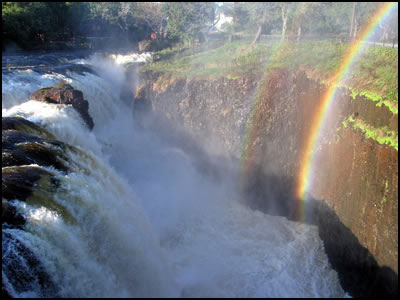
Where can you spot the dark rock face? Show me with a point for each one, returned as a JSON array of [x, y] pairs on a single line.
[[18, 182], [19, 148], [10, 216], [65, 94], [217, 109], [19, 123]]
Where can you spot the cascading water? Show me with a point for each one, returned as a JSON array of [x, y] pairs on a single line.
[[134, 217]]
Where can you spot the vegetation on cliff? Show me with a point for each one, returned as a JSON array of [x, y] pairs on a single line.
[[383, 135], [374, 74]]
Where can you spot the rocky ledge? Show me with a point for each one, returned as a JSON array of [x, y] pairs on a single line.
[[63, 93]]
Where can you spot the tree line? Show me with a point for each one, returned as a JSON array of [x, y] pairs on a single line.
[[293, 20], [41, 22]]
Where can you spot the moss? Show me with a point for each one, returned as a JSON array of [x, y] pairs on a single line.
[[353, 94], [231, 77], [386, 191], [383, 135], [38, 131], [21, 124], [45, 91], [63, 85], [371, 96]]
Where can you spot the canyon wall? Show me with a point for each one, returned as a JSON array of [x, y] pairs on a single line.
[[264, 121]]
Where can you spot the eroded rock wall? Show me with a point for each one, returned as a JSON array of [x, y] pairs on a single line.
[[265, 121]]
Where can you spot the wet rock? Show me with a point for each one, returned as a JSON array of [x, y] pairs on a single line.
[[21, 124], [26, 148], [20, 148], [63, 93], [141, 102], [18, 182], [10, 216], [144, 45]]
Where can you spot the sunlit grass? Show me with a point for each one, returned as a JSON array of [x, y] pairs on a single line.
[[376, 71]]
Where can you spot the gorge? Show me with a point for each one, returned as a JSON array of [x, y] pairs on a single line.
[[187, 186]]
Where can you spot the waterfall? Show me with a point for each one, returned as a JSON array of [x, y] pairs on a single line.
[[134, 216]]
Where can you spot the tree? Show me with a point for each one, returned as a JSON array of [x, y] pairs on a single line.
[[151, 13], [260, 15], [284, 6], [303, 16], [189, 20], [34, 21], [240, 16], [115, 14], [352, 21], [389, 28]]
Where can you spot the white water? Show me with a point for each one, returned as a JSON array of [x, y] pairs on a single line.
[[145, 221]]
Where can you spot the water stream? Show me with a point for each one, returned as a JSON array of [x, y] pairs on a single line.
[[142, 220]]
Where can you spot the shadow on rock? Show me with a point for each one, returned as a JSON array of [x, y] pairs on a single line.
[[359, 273]]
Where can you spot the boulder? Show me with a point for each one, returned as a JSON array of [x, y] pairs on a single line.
[[20, 124], [156, 45], [20, 148], [145, 45], [19, 182], [63, 93]]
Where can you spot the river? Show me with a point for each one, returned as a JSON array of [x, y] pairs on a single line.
[[142, 219]]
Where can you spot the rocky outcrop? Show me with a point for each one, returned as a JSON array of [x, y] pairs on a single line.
[[26, 150], [21, 148], [212, 109], [265, 122], [153, 45], [65, 94]]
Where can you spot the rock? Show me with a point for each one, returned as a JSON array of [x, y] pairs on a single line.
[[63, 93], [20, 148], [10, 216], [156, 45], [18, 182], [145, 45], [141, 103], [26, 147], [19, 123]]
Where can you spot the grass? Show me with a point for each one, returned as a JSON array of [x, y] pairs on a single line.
[[232, 59], [374, 75]]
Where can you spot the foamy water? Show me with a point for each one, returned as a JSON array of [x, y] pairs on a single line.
[[139, 219]]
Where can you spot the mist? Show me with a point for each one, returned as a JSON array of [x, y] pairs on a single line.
[[185, 185]]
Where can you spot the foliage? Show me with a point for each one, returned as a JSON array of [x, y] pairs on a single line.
[[23, 21], [151, 13], [383, 135], [42, 22], [189, 20], [322, 19]]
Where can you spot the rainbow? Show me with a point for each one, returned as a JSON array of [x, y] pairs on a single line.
[[306, 162]]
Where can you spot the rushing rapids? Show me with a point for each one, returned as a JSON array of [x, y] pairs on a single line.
[[132, 214]]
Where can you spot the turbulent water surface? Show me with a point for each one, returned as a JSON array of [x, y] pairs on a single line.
[[142, 218]]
